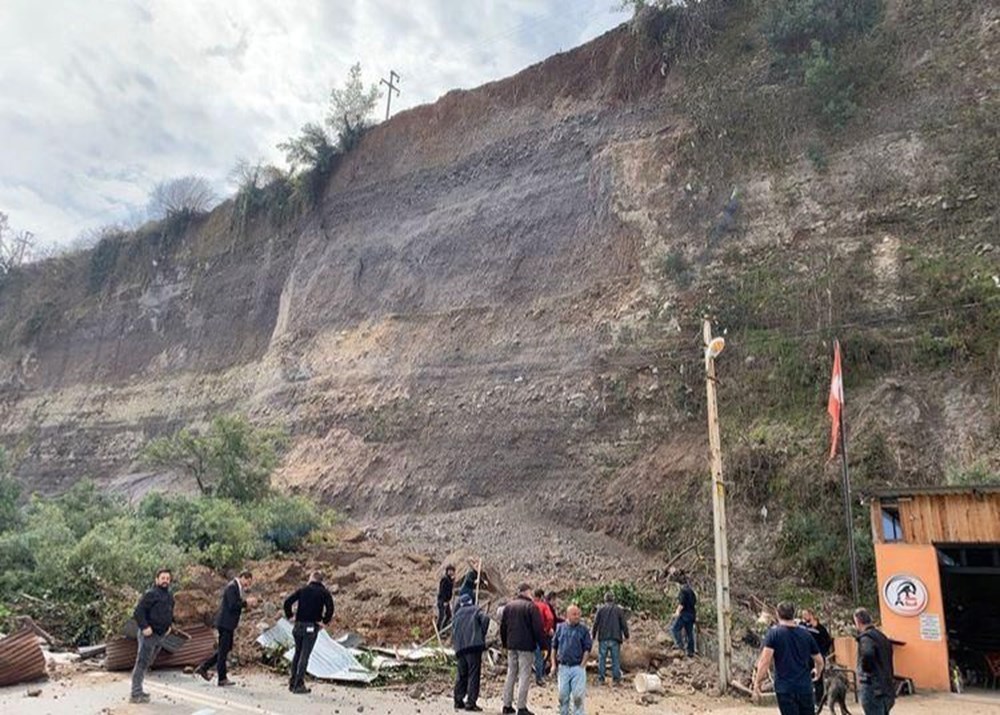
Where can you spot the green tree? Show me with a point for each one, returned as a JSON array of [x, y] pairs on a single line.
[[348, 116], [231, 459], [351, 108], [830, 84], [312, 149]]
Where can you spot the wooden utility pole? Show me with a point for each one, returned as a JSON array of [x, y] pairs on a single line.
[[722, 600], [393, 78]]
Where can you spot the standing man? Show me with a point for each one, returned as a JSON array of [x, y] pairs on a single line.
[[685, 615], [610, 630], [797, 663], [154, 615], [315, 607], [469, 582], [550, 598], [446, 589], [520, 633], [548, 628], [823, 641], [876, 684], [570, 651], [468, 638], [226, 622]]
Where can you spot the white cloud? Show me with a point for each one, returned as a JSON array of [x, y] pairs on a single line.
[[99, 101]]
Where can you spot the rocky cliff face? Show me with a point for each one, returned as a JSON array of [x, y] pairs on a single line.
[[497, 299]]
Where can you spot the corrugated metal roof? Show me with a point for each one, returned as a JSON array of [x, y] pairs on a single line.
[[329, 660], [932, 490], [121, 652], [21, 658]]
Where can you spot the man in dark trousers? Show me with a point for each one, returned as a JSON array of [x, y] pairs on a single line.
[[610, 631], [520, 633], [154, 615], [468, 638], [797, 663], [548, 630], [685, 615], [234, 600], [446, 590], [315, 607], [876, 684], [823, 641]]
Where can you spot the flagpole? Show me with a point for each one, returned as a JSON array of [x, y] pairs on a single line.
[[848, 509]]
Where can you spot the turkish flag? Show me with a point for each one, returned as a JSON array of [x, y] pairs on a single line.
[[836, 402]]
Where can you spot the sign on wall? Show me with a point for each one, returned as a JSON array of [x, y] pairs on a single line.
[[905, 595], [930, 627]]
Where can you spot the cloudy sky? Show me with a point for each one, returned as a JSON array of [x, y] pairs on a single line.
[[100, 100]]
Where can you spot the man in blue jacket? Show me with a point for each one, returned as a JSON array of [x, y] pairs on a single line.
[[468, 638], [234, 600], [154, 615], [570, 650]]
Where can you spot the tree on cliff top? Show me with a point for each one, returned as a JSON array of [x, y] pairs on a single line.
[[351, 109], [349, 115], [185, 195], [232, 459]]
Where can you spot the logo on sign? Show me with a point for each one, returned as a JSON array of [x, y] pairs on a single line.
[[905, 595]]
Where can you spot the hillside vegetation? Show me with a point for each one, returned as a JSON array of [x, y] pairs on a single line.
[[497, 299]]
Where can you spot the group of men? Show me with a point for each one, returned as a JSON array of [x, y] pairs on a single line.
[[798, 651], [538, 642], [310, 607]]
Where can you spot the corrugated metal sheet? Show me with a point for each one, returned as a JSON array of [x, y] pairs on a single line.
[[329, 660], [121, 652], [21, 658]]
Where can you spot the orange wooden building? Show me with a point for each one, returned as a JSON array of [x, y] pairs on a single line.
[[937, 555]]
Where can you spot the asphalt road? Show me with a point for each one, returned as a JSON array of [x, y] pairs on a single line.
[[100, 693]]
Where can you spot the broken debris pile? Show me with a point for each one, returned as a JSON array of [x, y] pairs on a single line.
[[329, 659], [339, 659]]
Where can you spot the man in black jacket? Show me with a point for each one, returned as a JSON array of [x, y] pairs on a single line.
[[685, 615], [610, 631], [468, 638], [154, 615], [823, 641], [876, 684], [315, 606], [227, 619], [520, 632], [446, 589]]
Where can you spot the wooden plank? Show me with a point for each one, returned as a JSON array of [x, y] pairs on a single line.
[[948, 518]]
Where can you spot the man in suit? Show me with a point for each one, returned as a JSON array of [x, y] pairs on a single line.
[[234, 600]]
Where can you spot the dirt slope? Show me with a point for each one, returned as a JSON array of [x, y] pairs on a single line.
[[497, 300]]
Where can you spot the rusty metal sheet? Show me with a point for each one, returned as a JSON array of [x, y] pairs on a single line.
[[21, 658], [200, 645]]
